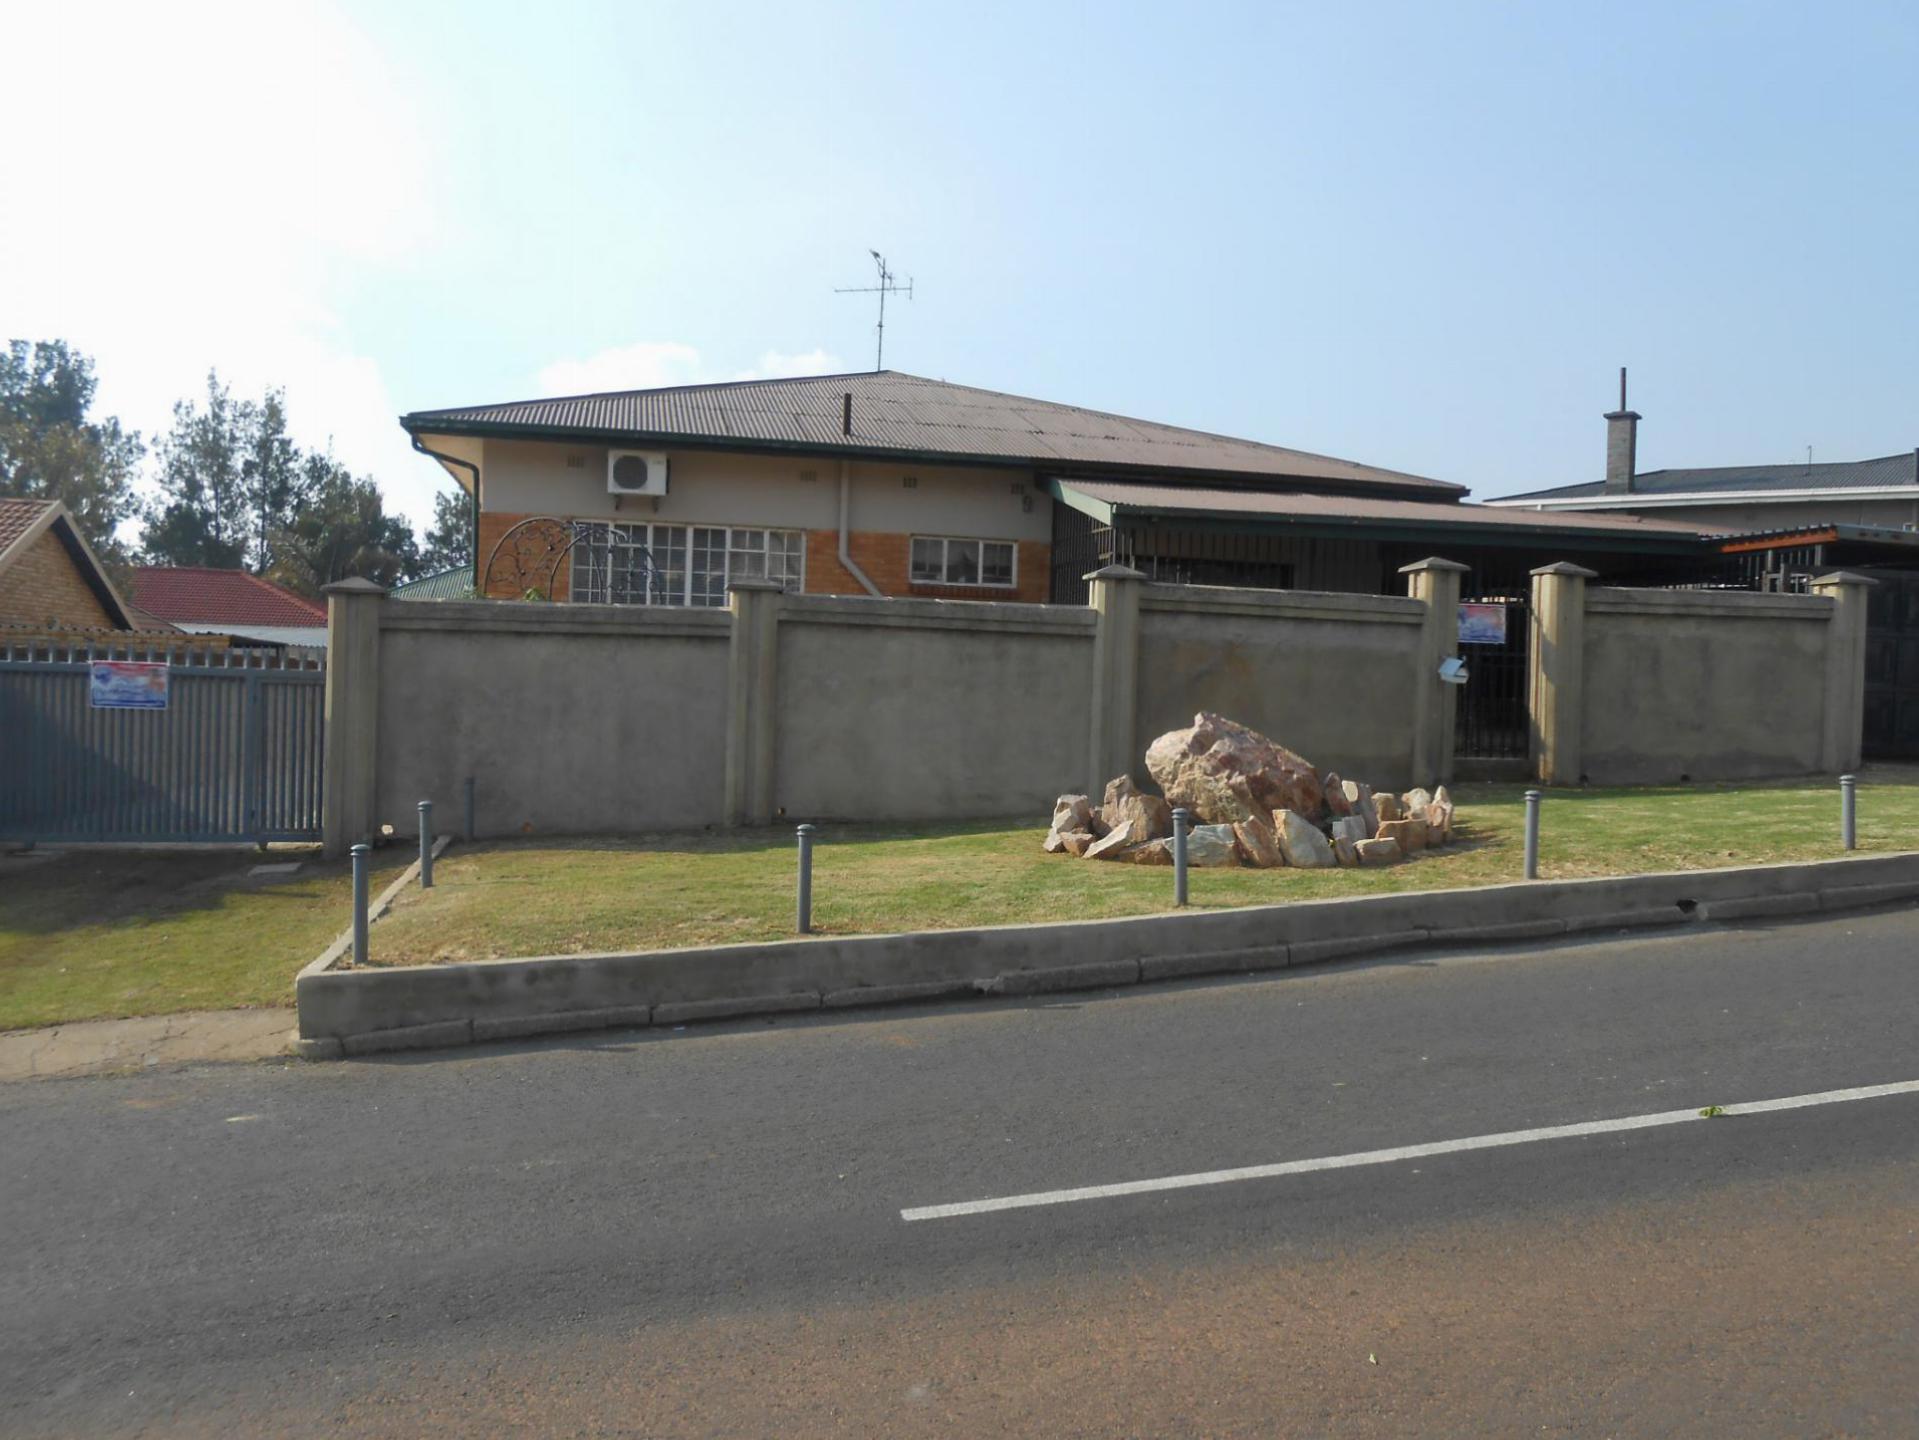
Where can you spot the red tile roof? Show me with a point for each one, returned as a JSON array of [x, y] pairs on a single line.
[[225, 597]]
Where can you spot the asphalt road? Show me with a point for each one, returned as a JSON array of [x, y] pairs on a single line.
[[700, 1232]]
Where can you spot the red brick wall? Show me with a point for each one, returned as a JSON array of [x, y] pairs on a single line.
[[886, 559], [44, 587]]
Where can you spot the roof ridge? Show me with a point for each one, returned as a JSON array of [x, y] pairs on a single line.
[[666, 390]]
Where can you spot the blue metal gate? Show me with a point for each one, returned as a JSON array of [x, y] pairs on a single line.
[[234, 755]]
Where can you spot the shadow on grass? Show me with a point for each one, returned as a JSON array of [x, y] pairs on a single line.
[[753, 839]]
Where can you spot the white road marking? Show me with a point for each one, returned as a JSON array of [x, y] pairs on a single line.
[[1397, 1153]]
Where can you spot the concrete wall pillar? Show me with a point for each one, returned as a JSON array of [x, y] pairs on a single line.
[[1435, 584], [350, 774], [1113, 746], [1556, 678], [1845, 678], [752, 696]]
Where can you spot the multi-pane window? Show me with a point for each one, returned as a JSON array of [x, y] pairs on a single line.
[[939, 560], [679, 564]]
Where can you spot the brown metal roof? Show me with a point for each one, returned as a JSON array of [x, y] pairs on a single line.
[[907, 415], [1279, 506]]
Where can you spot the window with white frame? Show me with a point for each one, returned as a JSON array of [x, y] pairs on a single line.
[[680, 564], [942, 560]]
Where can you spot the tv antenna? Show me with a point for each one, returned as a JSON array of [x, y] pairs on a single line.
[[889, 285]]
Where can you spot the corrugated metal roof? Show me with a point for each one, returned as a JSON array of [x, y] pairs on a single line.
[[1301, 505], [907, 415], [454, 584], [1901, 469], [182, 593]]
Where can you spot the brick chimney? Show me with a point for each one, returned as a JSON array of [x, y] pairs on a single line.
[[1622, 444]]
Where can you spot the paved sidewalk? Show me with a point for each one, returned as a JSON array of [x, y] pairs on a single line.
[[93, 1047]]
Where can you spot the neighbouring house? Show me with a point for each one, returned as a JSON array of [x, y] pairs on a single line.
[[451, 584], [50, 579], [244, 607], [893, 485], [1775, 528]]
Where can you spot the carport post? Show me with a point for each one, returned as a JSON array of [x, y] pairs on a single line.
[[1849, 811], [804, 919], [1532, 834], [426, 844], [361, 854], [1182, 822]]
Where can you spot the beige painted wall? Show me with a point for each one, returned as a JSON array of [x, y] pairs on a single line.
[[927, 709], [1702, 686], [535, 478], [1330, 677], [572, 719]]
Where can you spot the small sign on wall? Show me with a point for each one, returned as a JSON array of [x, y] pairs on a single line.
[[128, 685], [1482, 624]]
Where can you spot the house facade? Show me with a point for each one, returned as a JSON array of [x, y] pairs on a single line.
[[893, 485], [50, 580]]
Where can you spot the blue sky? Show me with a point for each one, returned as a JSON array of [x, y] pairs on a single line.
[[1421, 236]]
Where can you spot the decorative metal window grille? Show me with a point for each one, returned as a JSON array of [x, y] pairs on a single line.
[[680, 564]]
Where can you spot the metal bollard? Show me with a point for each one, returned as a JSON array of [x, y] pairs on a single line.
[[1849, 811], [805, 917], [1182, 822], [426, 844], [361, 854], [1532, 834], [469, 809]]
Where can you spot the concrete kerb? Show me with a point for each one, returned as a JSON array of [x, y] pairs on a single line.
[[411, 1007], [382, 903]]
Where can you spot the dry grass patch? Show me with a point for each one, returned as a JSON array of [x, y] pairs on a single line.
[[548, 897]]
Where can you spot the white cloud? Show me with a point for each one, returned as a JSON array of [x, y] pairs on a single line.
[[651, 364], [208, 179]]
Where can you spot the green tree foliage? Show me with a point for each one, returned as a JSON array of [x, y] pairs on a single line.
[[50, 449], [341, 529], [231, 480], [449, 539]]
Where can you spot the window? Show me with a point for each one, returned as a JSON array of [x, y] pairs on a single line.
[[940, 561], [680, 564]]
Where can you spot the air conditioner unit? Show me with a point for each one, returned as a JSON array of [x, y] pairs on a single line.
[[636, 472]]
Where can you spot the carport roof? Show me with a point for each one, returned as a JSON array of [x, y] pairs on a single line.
[[1106, 500]]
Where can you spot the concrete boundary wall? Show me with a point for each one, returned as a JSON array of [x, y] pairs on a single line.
[[1635, 687], [362, 1011], [584, 719]]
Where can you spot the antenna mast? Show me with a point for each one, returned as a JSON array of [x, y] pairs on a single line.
[[889, 285]]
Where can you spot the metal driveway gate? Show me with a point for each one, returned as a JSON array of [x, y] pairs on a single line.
[[212, 745]]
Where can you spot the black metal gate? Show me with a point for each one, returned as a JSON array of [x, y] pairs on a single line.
[[1892, 667], [1494, 638]]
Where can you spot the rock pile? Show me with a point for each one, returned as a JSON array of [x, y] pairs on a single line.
[[1258, 804]]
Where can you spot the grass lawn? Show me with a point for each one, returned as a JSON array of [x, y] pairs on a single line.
[[93, 934], [545, 897]]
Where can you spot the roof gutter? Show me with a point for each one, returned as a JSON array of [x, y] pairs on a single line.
[[446, 459]]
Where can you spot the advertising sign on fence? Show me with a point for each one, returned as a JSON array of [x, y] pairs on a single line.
[[1482, 624], [128, 685]]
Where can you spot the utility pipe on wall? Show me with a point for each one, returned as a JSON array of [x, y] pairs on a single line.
[[846, 554]]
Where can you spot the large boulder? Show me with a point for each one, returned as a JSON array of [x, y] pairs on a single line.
[[1225, 773], [1153, 852], [1126, 804], [1352, 828], [1378, 852], [1072, 812], [1301, 842], [1410, 834]]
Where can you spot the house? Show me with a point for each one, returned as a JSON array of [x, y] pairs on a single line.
[[455, 583], [248, 608], [50, 579], [1775, 527], [894, 485]]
